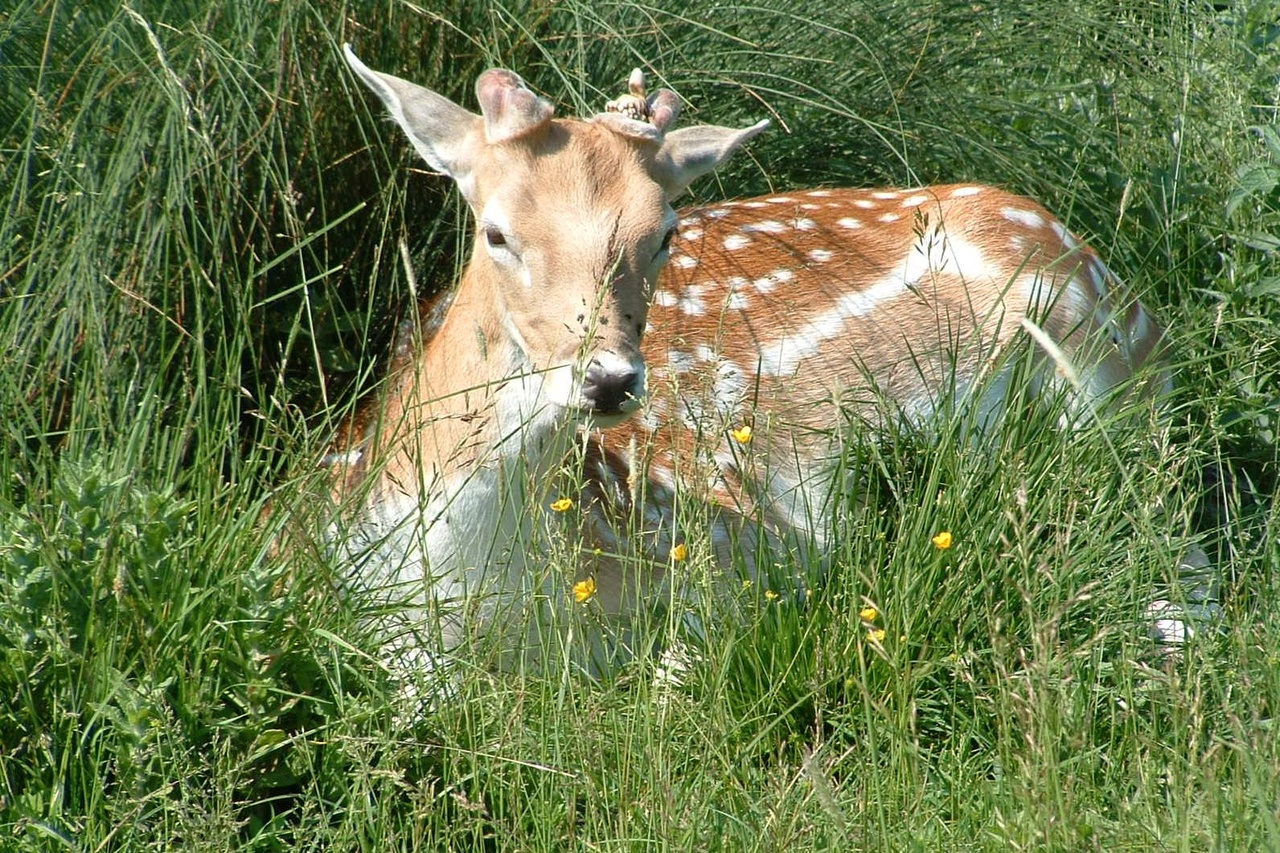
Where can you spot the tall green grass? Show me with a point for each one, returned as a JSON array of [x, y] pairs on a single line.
[[200, 272]]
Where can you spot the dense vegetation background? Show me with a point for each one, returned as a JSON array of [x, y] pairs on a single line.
[[202, 222]]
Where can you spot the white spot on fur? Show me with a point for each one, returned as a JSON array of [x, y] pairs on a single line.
[[691, 234], [914, 200], [820, 256], [351, 457], [818, 193], [664, 298], [685, 262], [653, 416], [662, 475], [765, 226], [1060, 231], [679, 362], [890, 217], [804, 224], [755, 205], [768, 283], [1025, 218], [781, 199], [715, 213], [720, 396], [864, 203], [729, 387], [849, 222], [691, 302], [884, 195], [785, 357], [810, 207], [936, 253], [962, 192], [735, 241]]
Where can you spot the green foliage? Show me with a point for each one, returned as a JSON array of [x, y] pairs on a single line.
[[203, 226], [141, 677]]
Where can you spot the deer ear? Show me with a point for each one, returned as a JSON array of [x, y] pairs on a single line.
[[664, 109], [510, 108], [691, 152], [440, 130]]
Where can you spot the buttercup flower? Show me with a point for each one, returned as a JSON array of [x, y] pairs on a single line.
[[742, 434], [876, 635], [679, 552], [562, 505], [942, 541], [868, 614], [770, 595], [584, 589]]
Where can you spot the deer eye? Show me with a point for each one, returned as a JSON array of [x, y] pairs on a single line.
[[494, 237]]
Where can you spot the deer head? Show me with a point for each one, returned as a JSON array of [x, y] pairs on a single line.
[[573, 223]]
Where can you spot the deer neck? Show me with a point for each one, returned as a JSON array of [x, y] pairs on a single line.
[[473, 405]]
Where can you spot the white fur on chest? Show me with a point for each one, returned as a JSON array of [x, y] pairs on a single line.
[[457, 549]]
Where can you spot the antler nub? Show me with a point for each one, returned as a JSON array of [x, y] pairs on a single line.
[[632, 105], [637, 115]]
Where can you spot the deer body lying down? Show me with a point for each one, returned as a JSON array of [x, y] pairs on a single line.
[[592, 315]]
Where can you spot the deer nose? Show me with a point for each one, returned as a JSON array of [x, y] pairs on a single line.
[[613, 389]]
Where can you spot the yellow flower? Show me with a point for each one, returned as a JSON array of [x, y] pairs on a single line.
[[742, 434], [868, 614], [679, 552], [562, 505], [943, 540], [770, 595], [584, 589], [876, 635]]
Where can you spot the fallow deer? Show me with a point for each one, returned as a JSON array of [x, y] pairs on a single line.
[[593, 315]]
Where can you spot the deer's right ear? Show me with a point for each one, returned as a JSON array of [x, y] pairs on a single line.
[[441, 131]]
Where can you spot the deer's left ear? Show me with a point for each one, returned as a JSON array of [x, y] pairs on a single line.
[[691, 152]]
